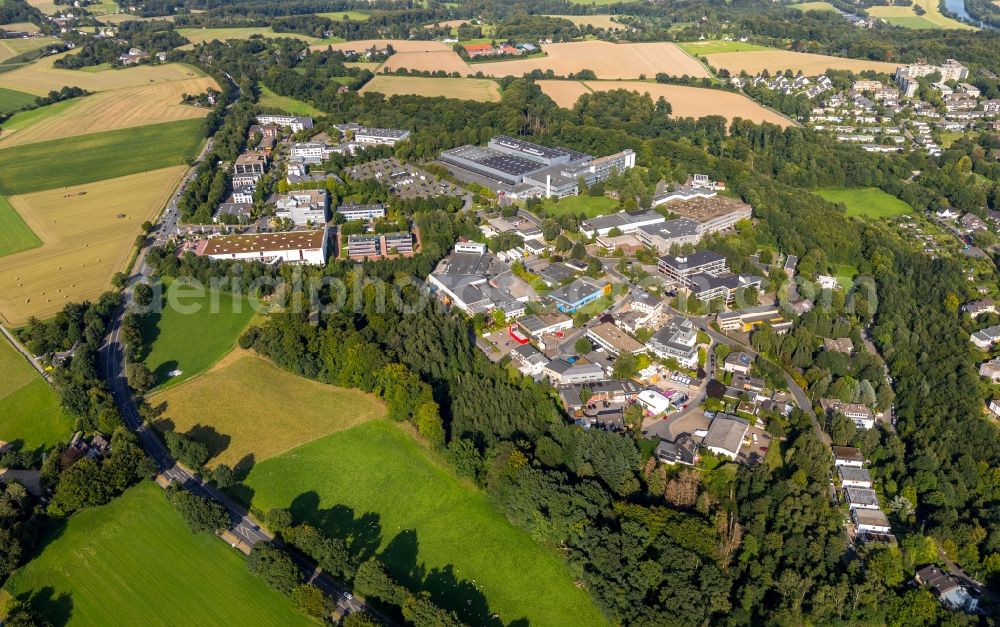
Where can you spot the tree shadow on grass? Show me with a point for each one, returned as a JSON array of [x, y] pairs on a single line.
[[210, 437], [57, 609], [162, 372], [149, 328], [363, 534]]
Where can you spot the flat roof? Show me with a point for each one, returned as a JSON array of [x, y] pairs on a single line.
[[387, 133], [849, 473], [705, 209], [529, 148], [874, 517], [694, 260], [576, 291], [726, 432], [265, 242], [616, 337], [861, 496], [848, 453], [679, 227], [535, 323]]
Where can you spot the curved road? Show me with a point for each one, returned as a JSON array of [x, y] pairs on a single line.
[[243, 527]]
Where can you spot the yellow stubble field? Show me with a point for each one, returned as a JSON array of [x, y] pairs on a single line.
[[87, 234], [110, 110], [399, 45], [481, 89], [607, 60], [432, 61], [41, 77]]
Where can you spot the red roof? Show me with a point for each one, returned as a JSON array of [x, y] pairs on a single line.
[[478, 47]]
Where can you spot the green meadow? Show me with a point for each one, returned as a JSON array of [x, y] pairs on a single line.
[[589, 205], [866, 201], [29, 409], [15, 235], [11, 100]]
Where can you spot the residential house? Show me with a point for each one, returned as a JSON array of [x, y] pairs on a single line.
[[653, 402], [683, 450], [678, 340], [862, 416], [977, 308], [531, 362], [870, 521], [851, 477], [847, 456], [990, 369], [737, 362], [953, 591], [985, 338], [581, 292], [839, 345], [860, 498], [972, 223], [725, 435]]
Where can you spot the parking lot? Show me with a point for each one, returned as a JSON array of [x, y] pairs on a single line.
[[405, 180], [499, 343], [756, 445]]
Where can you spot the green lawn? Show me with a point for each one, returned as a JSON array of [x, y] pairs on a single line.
[[716, 46], [376, 479], [135, 562], [338, 16], [915, 22], [27, 118], [191, 341], [290, 105], [326, 41], [867, 201], [11, 100], [29, 410], [845, 275], [15, 235], [589, 205], [99, 156]]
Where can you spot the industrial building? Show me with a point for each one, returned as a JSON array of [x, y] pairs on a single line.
[[584, 290], [303, 207], [475, 282], [626, 222], [362, 212], [295, 247], [380, 136]]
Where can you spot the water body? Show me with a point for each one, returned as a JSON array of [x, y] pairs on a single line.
[[957, 7]]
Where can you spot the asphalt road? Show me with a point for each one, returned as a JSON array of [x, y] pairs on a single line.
[[243, 527]]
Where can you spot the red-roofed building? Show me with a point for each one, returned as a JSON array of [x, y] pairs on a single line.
[[480, 50]]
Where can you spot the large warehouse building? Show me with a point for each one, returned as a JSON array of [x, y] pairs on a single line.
[[296, 247], [522, 169]]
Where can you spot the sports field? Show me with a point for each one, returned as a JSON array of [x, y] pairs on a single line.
[[905, 17], [194, 329], [607, 60], [87, 234], [41, 77], [780, 60], [589, 205], [351, 16], [426, 520], [10, 48], [252, 407], [462, 88], [716, 46], [29, 409], [597, 21], [135, 562], [105, 111], [695, 102], [201, 35], [289, 105], [15, 235], [87, 158], [11, 100], [870, 202]]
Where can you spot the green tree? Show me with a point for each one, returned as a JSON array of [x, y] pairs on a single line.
[[200, 513], [274, 566], [582, 345], [143, 294], [429, 423], [311, 601], [139, 376], [373, 580]]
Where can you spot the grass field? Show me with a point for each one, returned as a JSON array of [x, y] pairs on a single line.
[[10, 48], [399, 45], [462, 88], [597, 21], [87, 158], [48, 7], [105, 111], [135, 562], [905, 17], [813, 6], [41, 77], [15, 235], [427, 520], [685, 101], [290, 105], [589, 205], [252, 407], [193, 330], [11, 100], [87, 232], [717, 46], [352, 16], [867, 201], [201, 35], [29, 410], [845, 275], [780, 60], [607, 60]]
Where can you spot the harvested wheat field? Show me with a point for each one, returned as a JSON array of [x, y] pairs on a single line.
[[399, 45], [41, 77], [110, 110], [371, 67], [447, 24], [693, 102], [48, 7], [597, 21], [445, 60], [607, 60], [781, 60], [118, 18], [481, 89], [202, 35], [87, 234], [20, 27], [245, 405], [10, 48]]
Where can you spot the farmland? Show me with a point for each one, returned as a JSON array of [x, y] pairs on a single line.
[[781, 60], [97, 156], [597, 21], [607, 60], [290, 105], [110, 110], [352, 16], [48, 7], [904, 16], [813, 6], [21, 27], [15, 235], [246, 405], [427, 520], [194, 329], [717, 46], [444, 60], [29, 410], [589, 205], [461, 88], [867, 201], [201, 35], [134, 561], [11, 100], [10, 48], [87, 234], [685, 101], [399, 45], [41, 77]]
